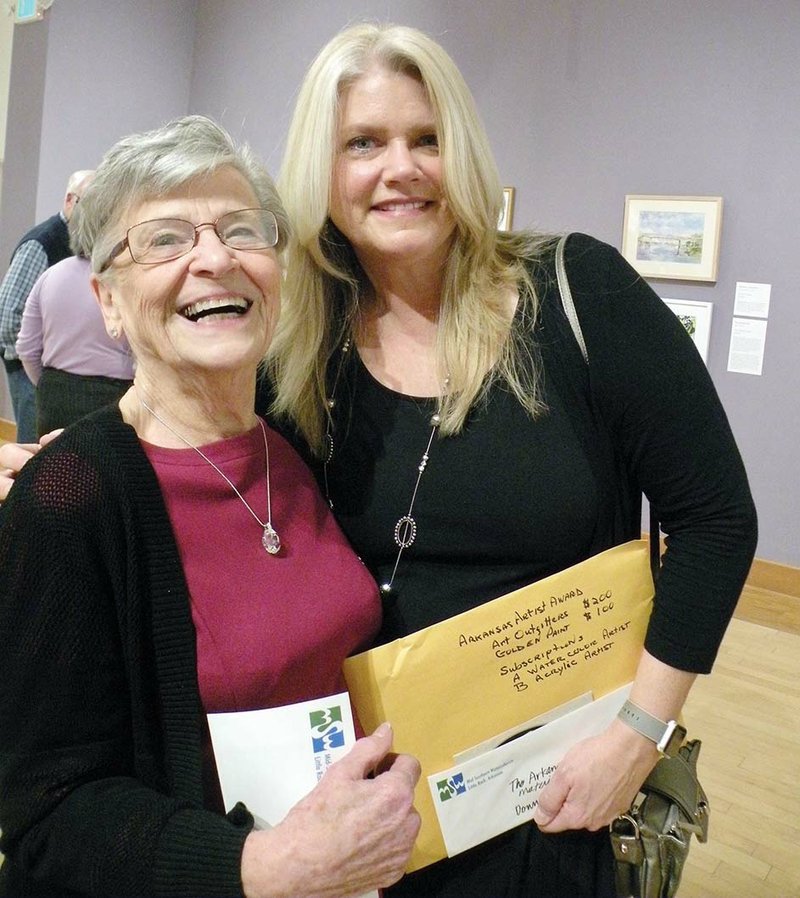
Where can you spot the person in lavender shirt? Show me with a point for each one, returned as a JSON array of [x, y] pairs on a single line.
[[74, 363]]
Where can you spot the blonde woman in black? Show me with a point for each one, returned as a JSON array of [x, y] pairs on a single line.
[[465, 444]]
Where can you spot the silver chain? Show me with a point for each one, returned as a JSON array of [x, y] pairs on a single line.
[[405, 530], [269, 539]]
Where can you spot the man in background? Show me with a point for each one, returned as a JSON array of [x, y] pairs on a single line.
[[42, 246]]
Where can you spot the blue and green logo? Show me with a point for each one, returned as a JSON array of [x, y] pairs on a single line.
[[327, 731], [451, 787]]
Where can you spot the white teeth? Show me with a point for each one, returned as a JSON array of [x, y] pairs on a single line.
[[401, 207], [205, 305]]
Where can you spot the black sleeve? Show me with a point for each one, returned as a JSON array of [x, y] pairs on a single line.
[[672, 434], [85, 799]]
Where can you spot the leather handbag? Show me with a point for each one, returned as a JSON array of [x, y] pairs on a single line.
[[651, 841]]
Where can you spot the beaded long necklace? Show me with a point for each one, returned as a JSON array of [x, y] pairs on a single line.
[[269, 537], [405, 530]]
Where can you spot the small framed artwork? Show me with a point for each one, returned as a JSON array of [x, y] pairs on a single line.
[[507, 213], [29, 11], [696, 318], [673, 237]]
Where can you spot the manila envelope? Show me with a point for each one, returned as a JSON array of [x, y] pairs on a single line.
[[465, 680]]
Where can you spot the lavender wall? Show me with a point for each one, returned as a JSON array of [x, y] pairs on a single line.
[[112, 67], [90, 72], [587, 100]]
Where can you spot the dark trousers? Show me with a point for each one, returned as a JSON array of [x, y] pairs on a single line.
[[522, 863], [62, 398]]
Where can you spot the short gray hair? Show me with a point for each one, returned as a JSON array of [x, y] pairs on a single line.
[[79, 179], [148, 164]]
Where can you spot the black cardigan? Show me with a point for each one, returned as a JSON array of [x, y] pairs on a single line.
[[100, 714]]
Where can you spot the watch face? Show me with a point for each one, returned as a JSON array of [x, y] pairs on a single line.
[[672, 739]]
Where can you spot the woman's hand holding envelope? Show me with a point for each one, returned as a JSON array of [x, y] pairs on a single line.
[[597, 780], [599, 777], [351, 834]]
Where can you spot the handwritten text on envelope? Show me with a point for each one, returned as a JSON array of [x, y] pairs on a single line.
[[463, 681]]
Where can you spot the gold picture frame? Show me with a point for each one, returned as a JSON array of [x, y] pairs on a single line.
[[506, 219], [29, 11]]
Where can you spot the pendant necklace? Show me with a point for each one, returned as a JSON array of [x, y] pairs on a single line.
[[269, 537], [405, 530]]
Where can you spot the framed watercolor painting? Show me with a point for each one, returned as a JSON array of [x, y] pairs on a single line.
[[28, 10], [507, 213], [696, 318], [673, 237]]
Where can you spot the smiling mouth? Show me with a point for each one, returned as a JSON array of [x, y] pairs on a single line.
[[229, 306], [400, 206]]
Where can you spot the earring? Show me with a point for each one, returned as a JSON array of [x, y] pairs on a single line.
[[113, 333]]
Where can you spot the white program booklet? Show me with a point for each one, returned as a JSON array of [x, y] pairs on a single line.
[[271, 759]]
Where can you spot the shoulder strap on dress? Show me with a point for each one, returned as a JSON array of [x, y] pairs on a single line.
[[574, 322]]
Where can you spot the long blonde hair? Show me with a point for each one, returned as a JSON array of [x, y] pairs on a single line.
[[324, 279]]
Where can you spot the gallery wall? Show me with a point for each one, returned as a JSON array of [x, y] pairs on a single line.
[[585, 100], [89, 72], [6, 46]]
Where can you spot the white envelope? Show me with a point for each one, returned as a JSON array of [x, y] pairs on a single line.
[[496, 791], [535, 722], [270, 759]]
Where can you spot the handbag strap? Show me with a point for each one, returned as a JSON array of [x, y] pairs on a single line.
[[571, 312], [566, 297], [675, 779]]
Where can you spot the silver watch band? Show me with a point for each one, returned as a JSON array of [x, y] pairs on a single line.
[[668, 736]]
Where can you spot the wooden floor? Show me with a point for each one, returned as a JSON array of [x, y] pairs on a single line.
[[747, 713]]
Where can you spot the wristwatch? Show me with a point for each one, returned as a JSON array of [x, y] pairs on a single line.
[[668, 736]]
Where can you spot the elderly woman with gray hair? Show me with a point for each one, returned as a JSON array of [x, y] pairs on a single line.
[[170, 556]]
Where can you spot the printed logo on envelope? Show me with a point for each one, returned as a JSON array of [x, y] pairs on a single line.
[[451, 787], [327, 729]]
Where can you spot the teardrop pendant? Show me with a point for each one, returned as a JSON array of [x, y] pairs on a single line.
[[270, 540]]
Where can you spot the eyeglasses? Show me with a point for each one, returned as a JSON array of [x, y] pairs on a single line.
[[164, 239]]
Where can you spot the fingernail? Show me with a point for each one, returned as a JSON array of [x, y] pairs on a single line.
[[384, 729]]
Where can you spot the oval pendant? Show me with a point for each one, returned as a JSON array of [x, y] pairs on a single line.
[[405, 531], [270, 540]]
